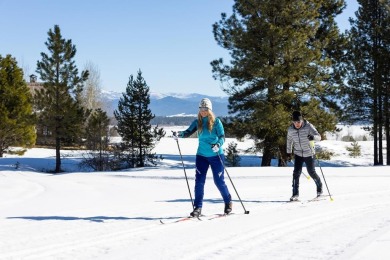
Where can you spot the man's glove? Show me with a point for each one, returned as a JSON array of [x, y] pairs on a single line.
[[289, 157], [215, 148], [310, 137]]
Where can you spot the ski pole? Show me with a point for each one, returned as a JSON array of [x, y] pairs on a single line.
[[245, 211], [323, 176], [312, 146], [307, 177], [185, 173]]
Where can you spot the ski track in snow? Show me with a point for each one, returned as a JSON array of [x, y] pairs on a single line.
[[263, 240], [345, 228], [266, 241]]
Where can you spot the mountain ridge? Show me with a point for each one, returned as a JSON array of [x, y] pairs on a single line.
[[171, 104]]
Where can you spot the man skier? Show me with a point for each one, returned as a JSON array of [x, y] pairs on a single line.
[[300, 139]]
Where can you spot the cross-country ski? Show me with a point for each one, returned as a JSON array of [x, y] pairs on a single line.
[[180, 220]]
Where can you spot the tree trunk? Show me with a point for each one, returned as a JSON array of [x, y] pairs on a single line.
[[267, 154], [387, 140], [380, 125], [58, 155], [375, 124], [387, 123], [375, 133], [282, 162], [267, 158]]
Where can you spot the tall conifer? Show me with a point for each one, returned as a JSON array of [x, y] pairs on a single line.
[[369, 78], [283, 58], [58, 102], [16, 114], [97, 141], [134, 116]]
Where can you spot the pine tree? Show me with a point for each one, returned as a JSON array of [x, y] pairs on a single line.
[[97, 131], [369, 82], [134, 116], [354, 150], [97, 141], [16, 115], [284, 58], [58, 102], [232, 157]]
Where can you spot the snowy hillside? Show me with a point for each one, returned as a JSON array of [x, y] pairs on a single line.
[[116, 215]]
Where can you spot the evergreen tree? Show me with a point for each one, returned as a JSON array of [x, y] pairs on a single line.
[[16, 115], [97, 131], [354, 150], [134, 116], [58, 102], [232, 157], [369, 80], [284, 58], [97, 141]]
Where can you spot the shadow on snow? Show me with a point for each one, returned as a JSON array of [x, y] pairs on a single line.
[[98, 219]]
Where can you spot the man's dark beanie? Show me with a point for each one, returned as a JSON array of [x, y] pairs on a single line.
[[296, 116]]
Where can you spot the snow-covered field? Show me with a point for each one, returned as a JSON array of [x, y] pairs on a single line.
[[116, 215]]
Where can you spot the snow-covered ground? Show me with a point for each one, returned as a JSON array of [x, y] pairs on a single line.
[[116, 215]]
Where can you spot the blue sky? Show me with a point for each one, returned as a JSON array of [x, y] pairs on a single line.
[[171, 41]]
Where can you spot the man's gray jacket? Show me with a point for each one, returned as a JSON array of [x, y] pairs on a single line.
[[298, 141]]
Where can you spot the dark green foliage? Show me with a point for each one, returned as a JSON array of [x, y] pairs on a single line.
[[283, 57], [97, 141], [19, 152], [231, 128], [368, 95], [354, 150], [232, 157], [96, 131], [134, 117], [324, 155], [58, 102], [16, 115]]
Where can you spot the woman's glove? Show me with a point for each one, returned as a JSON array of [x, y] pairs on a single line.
[[175, 135], [215, 148]]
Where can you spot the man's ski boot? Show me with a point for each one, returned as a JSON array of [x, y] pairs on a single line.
[[319, 190], [196, 213], [228, 208], [294, 198]]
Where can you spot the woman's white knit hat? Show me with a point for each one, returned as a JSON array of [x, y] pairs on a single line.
[[205, 102]]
